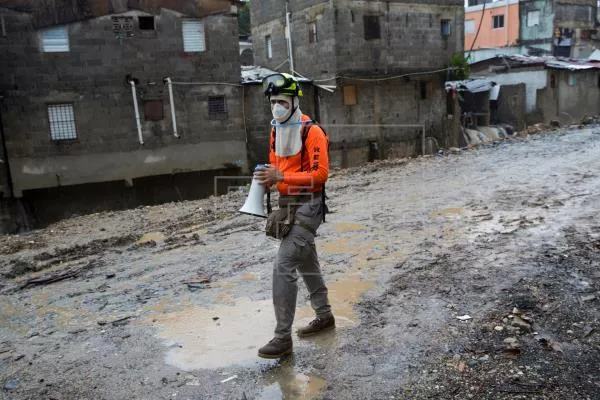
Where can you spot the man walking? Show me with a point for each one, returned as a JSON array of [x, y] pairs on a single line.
[[299, 167]]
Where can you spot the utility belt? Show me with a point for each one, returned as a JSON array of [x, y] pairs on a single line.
[[281, 221], [297, 200]]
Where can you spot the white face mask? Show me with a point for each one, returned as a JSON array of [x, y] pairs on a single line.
[[280, 113]]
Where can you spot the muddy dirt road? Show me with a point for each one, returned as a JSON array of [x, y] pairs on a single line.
[[469, 275]]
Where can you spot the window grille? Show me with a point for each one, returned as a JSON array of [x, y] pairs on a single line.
[[122, 26], [62, 122], [446, 27], [217, 108]]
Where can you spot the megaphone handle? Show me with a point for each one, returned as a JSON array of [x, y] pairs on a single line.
[[269, 208]]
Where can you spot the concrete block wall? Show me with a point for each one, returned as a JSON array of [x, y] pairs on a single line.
[[512, 106], [341, 46], [575, 13], [379, 106], [92, 76], [575, 95], [410, 40]]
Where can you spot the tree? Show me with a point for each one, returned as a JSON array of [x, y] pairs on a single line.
[[461, 70], [244, 19]]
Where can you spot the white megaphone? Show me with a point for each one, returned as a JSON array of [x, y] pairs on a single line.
[[254, 202]]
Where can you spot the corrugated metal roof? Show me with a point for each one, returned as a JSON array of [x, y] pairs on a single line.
[[571, 64], [255, 74], [474, 85]]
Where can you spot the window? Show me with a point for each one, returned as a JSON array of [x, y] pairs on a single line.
[[423, 90], [312, 33], [469, 26], [217, 108], [153, 110], [349, 95], [269, 44], [193, 36], [533, 18], [498, 21], [55, 40], [62, 122], [553, 81], [122, 26], [446, 27], [371, 25], [146, 23]]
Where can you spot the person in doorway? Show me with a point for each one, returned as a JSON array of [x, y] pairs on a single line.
[[299, 167]]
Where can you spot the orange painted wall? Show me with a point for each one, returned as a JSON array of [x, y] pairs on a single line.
[[488, 36]]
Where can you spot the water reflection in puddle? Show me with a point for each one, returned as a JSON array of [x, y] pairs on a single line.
[[286, 383], [151, 237], [230, 334], [217, 337]]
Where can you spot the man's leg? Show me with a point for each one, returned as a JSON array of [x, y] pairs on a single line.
[[285, 291], [285, 286], [310, 270]]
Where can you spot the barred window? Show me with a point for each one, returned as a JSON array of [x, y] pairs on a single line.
[[62, 122], [217, 108]]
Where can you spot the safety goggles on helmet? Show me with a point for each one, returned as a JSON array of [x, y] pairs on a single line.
[[281, 84]]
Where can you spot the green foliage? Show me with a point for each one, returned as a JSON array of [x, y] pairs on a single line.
[[244, 19], [462, 69]]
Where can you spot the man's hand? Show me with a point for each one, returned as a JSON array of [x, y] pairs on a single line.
[[268, 176]]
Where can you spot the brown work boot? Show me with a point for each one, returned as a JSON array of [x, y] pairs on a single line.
[[317, 325], [276, 348]]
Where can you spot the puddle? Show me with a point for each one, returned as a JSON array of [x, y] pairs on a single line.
[[447, 212], [250, 276], [348, 227], [290, 385], [198, 342], [343, 294], [151, 236]]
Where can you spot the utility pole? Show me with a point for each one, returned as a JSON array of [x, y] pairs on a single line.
[[506, 23], [288, 35]]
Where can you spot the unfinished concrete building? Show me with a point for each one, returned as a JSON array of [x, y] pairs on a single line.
[[386, 59], [564, 28], [117, 103]]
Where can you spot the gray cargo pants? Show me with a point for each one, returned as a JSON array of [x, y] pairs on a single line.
[[297, 253]]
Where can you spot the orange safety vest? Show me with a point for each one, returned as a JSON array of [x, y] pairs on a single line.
[[308, 170]]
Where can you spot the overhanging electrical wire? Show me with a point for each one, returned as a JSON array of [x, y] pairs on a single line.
[[478, 29], [386, 78]]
